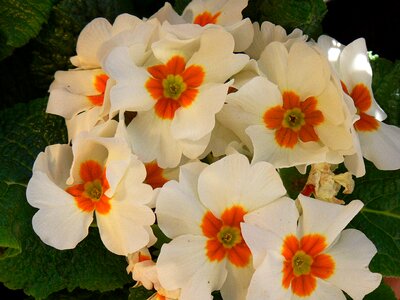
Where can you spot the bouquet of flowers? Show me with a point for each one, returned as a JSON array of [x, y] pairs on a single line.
[[207, 155]]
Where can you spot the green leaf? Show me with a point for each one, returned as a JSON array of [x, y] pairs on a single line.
[[290, 14], [383, 292], [139, 293], [379, 220], [20, 21], [180, 5], [26, 262], [386, 87], [293, 181]]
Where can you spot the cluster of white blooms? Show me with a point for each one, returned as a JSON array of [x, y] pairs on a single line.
[[150, 99]]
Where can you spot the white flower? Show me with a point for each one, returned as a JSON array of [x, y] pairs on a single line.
[[268, 33], [202, 215], [176, 93], [206, 13], [312, 258], [81, 95], [294, 114], [98, 175], [380, 143]]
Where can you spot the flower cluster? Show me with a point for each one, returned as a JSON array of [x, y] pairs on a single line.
[[184, 121]]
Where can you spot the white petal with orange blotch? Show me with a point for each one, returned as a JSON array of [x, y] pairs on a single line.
[[89, 41], [152, 140], [266, 219], [326, 218], [267, 149], [308, 71], [78, 81], [122, 229], [182, 264], [216, 56], [129, 92], [58, 99], [351, 267], [59, 222], [181, 197], [266, 282], [382, 147], [198, 119], [250, 186]]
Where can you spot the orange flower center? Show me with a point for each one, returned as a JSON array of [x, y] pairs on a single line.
[[304, 262], [293, 120], [225, 237], [89, 195], [362, 101], [155, 175], [206, 18], [173, 85], [100, 82]]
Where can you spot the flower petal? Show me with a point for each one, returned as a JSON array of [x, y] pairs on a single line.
[[273, 63], [237, 282], [152, 140], [328, 219], [382, 146], [183, 264], [59, 222], [233, 181], [352, 253], [181, 197], [65, 104]]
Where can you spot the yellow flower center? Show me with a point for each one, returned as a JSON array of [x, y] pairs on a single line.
[[293, 119], [173, 86], [229, 236], [301, 263], [93, 189]]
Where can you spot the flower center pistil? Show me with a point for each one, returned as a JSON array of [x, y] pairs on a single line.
[[293, 119], [93, 190], [301, 263], [229, 236], [173, 86]]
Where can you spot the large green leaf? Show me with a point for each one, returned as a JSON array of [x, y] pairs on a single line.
[[386, 87], [20, 21], [27, 263], [290, 14], [380, 217]]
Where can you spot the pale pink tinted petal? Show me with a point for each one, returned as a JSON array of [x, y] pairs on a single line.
[[352, 253], [59, 222], [328, 219], [183, 264], [382, 146]]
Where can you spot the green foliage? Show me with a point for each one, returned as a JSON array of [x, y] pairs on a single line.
[[20, 21], [290, 14], [293, 181], [25, 262], [386, 87], [180, 5], [139, 293], [383, 292], [380, 217]]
